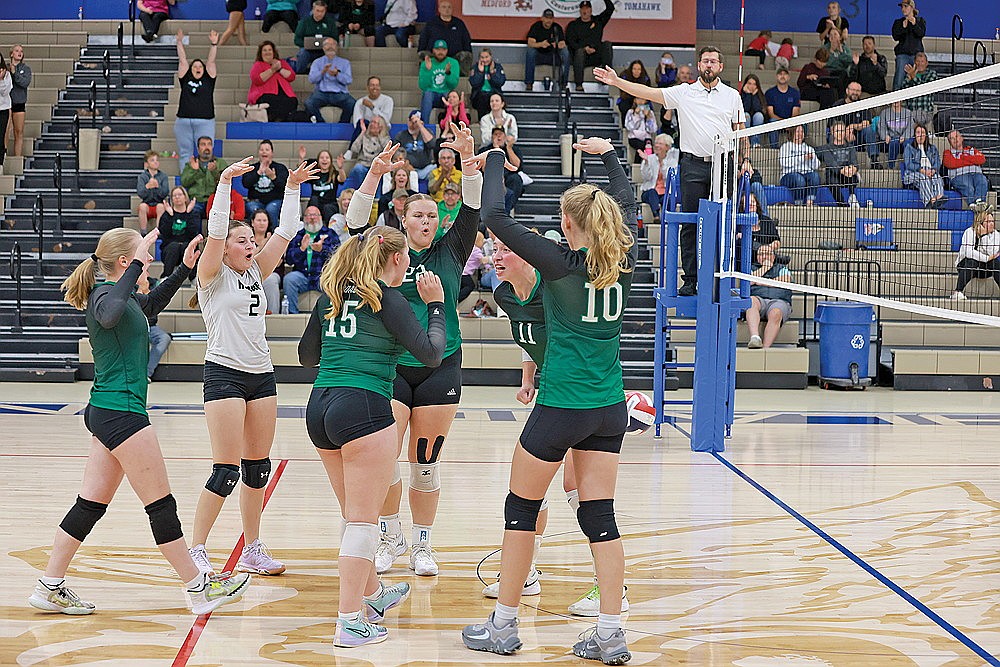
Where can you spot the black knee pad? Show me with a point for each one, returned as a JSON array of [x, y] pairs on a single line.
[[223, 479], [81, 518], [423, 456], [256, 472], [163, 520], [520, 513], [597, 520]]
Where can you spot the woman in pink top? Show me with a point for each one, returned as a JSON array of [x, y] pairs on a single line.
[[271, 83], [152, 13]]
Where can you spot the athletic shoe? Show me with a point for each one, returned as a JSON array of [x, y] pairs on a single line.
[[488, 637], [218, 591], [350, 634], [200, 558], [390, 597], [390, 547], [531, 586], [610, 651], [59, 599], [422, 561], [590, 604], [755, 343], [256, 558], [852, 201]]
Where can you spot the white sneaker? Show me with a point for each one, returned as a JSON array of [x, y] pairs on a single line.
[[590, 604], [390, 547], [218, 591], [59, 599], [422, 561], [200, 557], [755, 343], [531, 586], [256, 558], [958, 296], [852, 201]]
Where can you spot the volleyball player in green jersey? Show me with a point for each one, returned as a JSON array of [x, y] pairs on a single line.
[[426, 399], [124, 443], [580, 403], [358, 329]]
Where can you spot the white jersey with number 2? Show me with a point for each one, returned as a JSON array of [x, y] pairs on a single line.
[[233, 306]]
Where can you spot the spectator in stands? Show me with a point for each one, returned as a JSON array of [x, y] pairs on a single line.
[[307, 253], [271, 83], [546, 46], [756, 183], [331, 176], [869, 68], [908, 31], [454, 110], [178, 226], [261, 226], [978, 255], [786, 51], [585, 40], [373, 104], [400, 181], [512, 180], [438, 76], [654, 172], [763, 232], [498, 117], [237, 23], [367, 146], [840, 60], [265, 185], [860, 132], [159, 340], [196, 108], [965, 169], [816, 83], [444, 172], [665, 73], [392, 216], [773, 304], [754, 104], [640, 126], [783, 101], [416, 141], [6, 86], [357, 17], [840, 162], [201, 174], [799, 163], [478, 262], [315, 27], [487, 78], [331, 75], [685, 74], [832, 21], [280, 11], [400, 19], [451, 202], [153, 189], [922, 106], [20, 75], [636, 73], [338, 223], [895, 128], [922, 166], [758, 47], [452, 31], [152, 14]]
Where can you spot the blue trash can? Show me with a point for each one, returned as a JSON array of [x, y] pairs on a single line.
[[844, 333]]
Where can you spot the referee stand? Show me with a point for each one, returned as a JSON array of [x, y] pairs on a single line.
[[716, 309]]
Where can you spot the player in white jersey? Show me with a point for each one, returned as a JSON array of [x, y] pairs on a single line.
[[241, 401]]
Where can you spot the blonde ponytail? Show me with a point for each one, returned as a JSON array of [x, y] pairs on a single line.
[[600, 219], [360, 262], [113, 244]]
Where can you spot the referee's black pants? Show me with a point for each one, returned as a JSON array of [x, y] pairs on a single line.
[[696, 184]]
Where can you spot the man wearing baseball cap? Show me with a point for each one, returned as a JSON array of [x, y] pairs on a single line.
[[451, 30], [546, 45], [908, 31], [585, 40], [438, 76]]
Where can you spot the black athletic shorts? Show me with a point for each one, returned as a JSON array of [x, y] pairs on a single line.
[[418, 386], [113, 427], [17, 108], [550, 432], [224, 382], [236, 5], [337, 415]]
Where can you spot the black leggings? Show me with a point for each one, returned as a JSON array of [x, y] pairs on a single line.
[[151, 22], [289, 16], [4, 117], [969, 268], [279, 106], [756, 52]]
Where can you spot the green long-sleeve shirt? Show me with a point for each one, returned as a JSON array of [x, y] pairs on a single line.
[[310, 26], [439, 78], [201, 182]]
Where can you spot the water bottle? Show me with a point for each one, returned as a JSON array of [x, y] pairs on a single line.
[[256, 12], [997, 36], [79, 13]]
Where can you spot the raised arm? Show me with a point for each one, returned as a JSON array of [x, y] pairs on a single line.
[[462, 236], [608, 76], [110, 304], [213, 50], [182, 61], [358, 213], [620, 189], [218, 222], [397, 316], [159, 297], [289, 220]]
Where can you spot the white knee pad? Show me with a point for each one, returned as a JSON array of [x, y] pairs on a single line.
[[397, 476], [545, 505], [425, 477], [360, 541]]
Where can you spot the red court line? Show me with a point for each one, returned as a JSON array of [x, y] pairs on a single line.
[[187, 648]]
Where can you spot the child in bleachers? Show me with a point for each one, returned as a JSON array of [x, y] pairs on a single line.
[[153, 187], [758, 47], [454, 110]]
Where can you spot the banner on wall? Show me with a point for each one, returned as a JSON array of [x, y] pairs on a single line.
[[624, 9]]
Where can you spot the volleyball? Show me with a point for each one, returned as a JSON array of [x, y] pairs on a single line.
[[641, 413]]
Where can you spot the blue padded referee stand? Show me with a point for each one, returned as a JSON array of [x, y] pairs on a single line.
[[717, 308]]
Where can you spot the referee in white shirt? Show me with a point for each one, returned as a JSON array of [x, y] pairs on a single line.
[[707, 108]]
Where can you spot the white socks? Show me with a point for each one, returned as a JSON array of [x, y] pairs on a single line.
[[196, 584], [52, 583], [504, 615], [608, 624]]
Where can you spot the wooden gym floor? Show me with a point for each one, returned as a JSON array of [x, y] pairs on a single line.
[[837, 529]]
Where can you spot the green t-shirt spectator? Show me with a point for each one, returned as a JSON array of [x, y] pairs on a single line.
[[441, 78]]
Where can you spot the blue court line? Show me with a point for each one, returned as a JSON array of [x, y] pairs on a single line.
[[891, 585]]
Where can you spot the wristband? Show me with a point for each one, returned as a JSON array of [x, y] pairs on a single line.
[[359, 210], [289, 220], [218, 217], [472, 190]]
